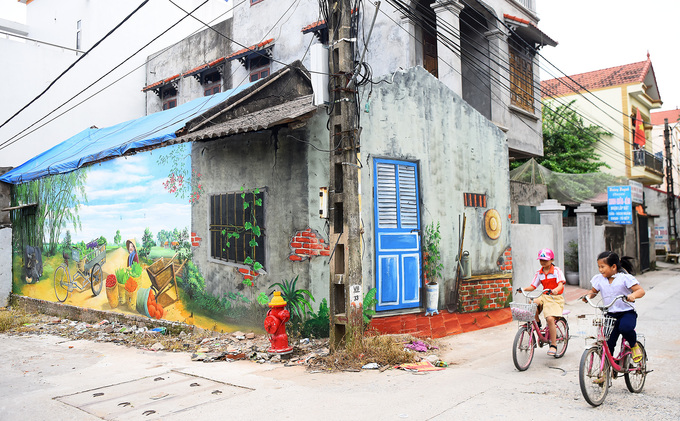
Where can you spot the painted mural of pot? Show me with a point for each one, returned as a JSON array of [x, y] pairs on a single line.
[[112, 290], [431, 299], [142, 301]]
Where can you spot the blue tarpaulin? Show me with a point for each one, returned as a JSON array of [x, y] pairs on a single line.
[[92, 145]]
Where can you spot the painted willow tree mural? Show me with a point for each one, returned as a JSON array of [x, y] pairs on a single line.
[[58, 198]]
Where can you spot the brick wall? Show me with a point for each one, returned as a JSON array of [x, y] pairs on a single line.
[[504, 261], [485, 294], [306, 244], [195, 240]]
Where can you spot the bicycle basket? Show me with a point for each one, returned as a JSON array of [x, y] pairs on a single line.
[[604, 325], [523, 312]]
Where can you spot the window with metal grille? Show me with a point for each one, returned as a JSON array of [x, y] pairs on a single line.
[[521, 76], [228, 215]]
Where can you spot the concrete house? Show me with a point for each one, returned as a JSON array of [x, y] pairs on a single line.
[[437, 131], [662, 199]]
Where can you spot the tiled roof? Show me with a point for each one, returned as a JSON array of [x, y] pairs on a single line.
[[159, 83], [313, 26], [252, 48], [605, 78], [203, 67], [540, 36], [671, 115]]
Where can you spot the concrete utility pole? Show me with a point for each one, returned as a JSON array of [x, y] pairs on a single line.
[[670, 200], [346, 295]]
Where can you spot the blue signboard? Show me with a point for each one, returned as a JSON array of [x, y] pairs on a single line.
[[619, 205]]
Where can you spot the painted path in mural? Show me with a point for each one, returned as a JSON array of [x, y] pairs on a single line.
[[115, 259]]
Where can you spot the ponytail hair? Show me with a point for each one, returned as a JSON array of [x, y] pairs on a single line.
[[623, 265]]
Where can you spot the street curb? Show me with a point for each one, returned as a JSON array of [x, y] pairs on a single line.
[[88, 315]]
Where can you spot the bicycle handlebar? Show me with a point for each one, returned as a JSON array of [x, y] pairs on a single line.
[[606, 307], [526, 294]]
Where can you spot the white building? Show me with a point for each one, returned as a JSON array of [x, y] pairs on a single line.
[[55, 35]]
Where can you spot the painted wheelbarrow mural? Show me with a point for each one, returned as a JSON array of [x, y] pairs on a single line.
[[163, 273]]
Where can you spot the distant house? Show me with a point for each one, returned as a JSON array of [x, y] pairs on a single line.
[[665, 203], [620, 99]]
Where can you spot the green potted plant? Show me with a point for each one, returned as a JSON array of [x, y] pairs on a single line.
[[432, 267], [571, 263]]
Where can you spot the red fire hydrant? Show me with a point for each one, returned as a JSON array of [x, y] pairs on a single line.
[[275, 325]]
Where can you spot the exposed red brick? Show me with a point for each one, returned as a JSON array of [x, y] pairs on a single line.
[[325, 253], [296, 245], [243, 270]]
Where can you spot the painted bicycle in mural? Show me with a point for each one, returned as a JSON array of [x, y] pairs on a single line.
[[88, 272]]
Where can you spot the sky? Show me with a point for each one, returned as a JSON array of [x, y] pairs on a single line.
[[128, 195], [597, 34]]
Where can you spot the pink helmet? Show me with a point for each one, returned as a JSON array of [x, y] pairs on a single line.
[[546, 254]]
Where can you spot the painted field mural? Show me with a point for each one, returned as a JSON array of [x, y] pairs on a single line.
[[115, 236]]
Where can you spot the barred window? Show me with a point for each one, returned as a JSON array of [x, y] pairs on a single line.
[[521, 77], [228, 221]]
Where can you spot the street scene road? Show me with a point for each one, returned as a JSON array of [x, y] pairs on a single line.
[[53, 378]]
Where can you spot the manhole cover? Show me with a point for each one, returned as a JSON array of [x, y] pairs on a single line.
[[151, 397]]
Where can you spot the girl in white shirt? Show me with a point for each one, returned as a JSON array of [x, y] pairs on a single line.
[[614, 280]]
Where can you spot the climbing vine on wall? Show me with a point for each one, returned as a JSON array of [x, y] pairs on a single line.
[[250, 228]]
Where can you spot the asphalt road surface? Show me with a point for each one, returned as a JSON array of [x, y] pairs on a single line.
[[53, 378]]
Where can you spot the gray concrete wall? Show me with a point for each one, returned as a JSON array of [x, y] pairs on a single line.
[[291, 172], [527, 240], [394, 44], [196, 50], [5, 265], [526, 195], [457, 151]]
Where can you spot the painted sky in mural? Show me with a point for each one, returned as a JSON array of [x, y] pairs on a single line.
[[128, 195]]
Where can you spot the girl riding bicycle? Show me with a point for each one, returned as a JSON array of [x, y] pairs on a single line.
[[551, 302], [614, 280]]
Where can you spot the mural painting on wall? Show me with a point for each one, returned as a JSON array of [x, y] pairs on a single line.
[[115, 236]]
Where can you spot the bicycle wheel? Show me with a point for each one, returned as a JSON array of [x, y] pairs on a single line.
[[523, 348], [96, 279], [61, 283], [637, 372], [562, 336], [593, 376]]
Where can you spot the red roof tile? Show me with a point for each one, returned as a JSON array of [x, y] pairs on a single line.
[[658, 117], [613, 76], [314, 25], [255, 47], [160, 82]]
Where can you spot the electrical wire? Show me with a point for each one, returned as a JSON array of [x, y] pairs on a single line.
[[76, 62], [14, 138]]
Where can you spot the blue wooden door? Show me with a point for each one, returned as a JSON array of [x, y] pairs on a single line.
[[397, 239]]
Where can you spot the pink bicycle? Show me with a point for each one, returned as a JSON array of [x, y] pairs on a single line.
[[598, 366], [529, 335]]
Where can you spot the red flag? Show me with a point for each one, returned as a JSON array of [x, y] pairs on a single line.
[[639, 132]]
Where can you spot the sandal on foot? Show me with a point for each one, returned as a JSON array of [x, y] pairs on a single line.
[[553, 350]]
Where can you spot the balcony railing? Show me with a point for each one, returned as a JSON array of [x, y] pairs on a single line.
[[649, 161], [529, 4]]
